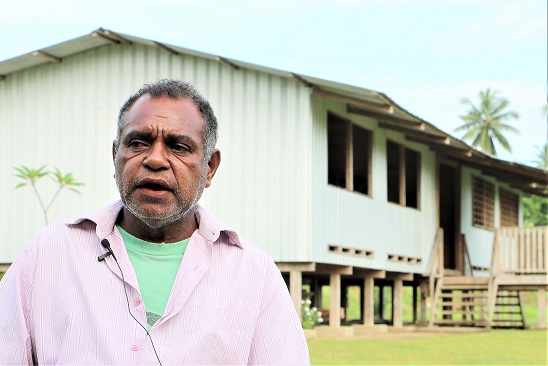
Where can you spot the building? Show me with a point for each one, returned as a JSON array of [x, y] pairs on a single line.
[[340, 184]]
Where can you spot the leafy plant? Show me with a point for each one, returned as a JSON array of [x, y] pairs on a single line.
[[31, 177], [310, 317], [535, 208], [542, 157]]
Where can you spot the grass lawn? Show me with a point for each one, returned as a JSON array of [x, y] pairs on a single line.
[[501, 347]]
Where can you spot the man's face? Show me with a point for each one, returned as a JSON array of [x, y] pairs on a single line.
[[159, 160]]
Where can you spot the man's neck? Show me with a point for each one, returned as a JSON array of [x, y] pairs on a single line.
[[171, 233]]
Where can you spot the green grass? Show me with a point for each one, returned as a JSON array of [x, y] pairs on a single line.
[[502, 347], [1, 275]]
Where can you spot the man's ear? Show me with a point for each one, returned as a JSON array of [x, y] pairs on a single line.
[[114, 149], [213, 165]]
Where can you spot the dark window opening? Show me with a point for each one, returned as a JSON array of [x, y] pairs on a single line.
[[393, 171], [336, 150], [403, 175], [412, 163], [349, 155], [361, 143]]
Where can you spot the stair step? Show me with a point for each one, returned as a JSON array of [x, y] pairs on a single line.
[[463, 312], [463, 280], [461, 322], [507, 321], [464, 287], [473, 295], [508, 326], [507, 297], [463, 303], [507, 312]]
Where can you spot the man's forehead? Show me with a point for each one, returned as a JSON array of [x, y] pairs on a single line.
[[151, 111]]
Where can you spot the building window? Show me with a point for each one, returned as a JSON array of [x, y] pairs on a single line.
[[349, 155], [403, 175], [483, 203], [509, 208]]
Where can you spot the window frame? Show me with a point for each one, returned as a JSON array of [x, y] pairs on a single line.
[[485, 198], [402, 176], [349, 154], [508, 202]]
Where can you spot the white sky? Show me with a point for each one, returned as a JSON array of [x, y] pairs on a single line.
[[425, 54]]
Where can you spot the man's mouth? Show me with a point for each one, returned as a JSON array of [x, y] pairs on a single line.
[[153, 187]]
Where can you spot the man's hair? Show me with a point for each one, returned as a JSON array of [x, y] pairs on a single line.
[[177, 89]]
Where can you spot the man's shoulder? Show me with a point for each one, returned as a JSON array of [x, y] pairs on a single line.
[[99, 221], [103, 215]]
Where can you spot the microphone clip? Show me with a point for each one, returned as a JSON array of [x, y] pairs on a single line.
[[104, 256], [109, 252]]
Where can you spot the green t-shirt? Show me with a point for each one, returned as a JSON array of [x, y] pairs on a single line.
[[156, 266]]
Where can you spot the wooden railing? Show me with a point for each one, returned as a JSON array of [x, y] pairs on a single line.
[[435, 262], [519, 253], [520, 250], [468, 268], [434, 270]]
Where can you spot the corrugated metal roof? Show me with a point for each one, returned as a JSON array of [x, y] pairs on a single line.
[[360, 100]]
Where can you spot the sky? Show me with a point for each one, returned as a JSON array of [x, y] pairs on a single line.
[[426, 55]]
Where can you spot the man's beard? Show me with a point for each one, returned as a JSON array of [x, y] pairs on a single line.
[[175, 211]]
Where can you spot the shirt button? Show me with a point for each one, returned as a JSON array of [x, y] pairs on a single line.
[[135, 348], [136, 302]]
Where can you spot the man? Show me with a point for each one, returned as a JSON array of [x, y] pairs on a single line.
[[153, 278]]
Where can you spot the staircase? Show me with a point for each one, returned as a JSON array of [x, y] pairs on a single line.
[[508, 312], [519, 263], [461, 301]]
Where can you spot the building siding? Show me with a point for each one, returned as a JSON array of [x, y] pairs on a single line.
[[64, 115], [371, 223], [480, 240]]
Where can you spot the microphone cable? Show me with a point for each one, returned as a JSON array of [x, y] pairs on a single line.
[[105, 243]]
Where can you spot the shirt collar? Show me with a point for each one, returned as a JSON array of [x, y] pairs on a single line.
[[209, 226]]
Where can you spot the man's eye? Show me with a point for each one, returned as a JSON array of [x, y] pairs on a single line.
[[136, 144], [180, 148]]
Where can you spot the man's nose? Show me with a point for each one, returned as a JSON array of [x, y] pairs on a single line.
[[157, 157]]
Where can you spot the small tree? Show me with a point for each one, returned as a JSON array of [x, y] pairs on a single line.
[[31, 176]]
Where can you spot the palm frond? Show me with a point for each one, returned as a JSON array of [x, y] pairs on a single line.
[[483, 121], [502, 140]]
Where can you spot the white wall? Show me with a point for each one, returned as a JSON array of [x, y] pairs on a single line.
[[351, 219], [480, 240], [64, 115]]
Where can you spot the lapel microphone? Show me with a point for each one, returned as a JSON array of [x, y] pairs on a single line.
[[109, 252]]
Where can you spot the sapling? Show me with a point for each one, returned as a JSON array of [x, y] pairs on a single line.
[[31, 176]]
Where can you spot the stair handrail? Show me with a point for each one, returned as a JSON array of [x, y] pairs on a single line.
[[467, 260], [435, 266], [494, 269], [495, 265]]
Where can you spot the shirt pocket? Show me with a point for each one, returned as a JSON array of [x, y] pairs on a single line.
[[219, 335]]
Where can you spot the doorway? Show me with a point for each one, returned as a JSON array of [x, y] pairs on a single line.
[[449, 213]]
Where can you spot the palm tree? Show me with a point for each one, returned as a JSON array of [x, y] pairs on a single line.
[[483, 123], [542, 157]]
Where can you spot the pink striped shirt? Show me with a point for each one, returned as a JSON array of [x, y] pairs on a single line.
[[229, 303]]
